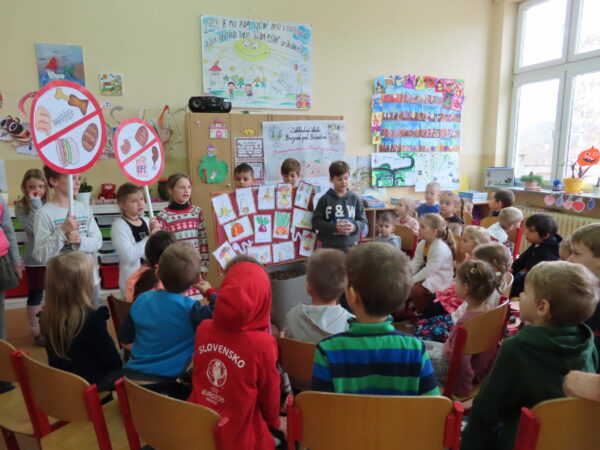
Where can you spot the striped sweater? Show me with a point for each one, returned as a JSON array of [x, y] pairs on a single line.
[[373, 359]]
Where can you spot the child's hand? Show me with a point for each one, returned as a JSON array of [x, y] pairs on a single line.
[[582, 384], [154, 225], [74, 237], [69, 225], [19, 272], [340, 226], [203, 286]]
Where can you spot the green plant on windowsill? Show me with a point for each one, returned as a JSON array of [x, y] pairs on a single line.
[[84, 186], [532, 182]]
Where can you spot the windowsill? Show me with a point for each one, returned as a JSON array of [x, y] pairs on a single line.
[[547, 191]]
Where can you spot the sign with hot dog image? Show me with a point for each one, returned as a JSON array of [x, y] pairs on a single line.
[[68, 128]]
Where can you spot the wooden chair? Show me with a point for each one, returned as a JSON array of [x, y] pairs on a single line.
[[297, 359], [562, 423], [327, 421], [166, 423], [477, 335], [487, 222], [68, 398], [119, 310], [409, 240]]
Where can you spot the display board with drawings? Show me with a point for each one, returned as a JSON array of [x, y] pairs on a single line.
[[272, 223]]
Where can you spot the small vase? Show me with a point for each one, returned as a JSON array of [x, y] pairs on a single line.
[[572, 185], [84, 197], [530, 186]]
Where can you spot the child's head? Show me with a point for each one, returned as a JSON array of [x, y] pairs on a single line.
[[385, 224], [495, 254], [243, 175], [564, 250], [510, 218], [405, 208], [432, 193], [33, 185], [475, 281], [180, 188], [467, 205], [585, 247], [239, 259], [339, 174], [290, 171], [502, 198], [472, 238], [558, 293], [432, 227], [131, 201], [155, 247], [179, 267], [448, 202], [60, 181], [325, 275], [379, 279], [540, 227]]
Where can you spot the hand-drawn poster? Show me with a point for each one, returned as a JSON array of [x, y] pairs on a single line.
[[282, 225], [303, 194], [224, 254], [245, 201], [283, 194], [283, 252], [302, 218], [257, 63], [266, 197], [392, 169], [249, 150], [238, 229], [263, 226], [111, 84], [59, 62], [262, 253], [223, 208], [439, 166], [307, 243]]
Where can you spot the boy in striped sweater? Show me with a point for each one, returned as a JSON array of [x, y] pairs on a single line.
[[372, 357]]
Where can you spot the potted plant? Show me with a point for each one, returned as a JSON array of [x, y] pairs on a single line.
[[85, 191], [532, 182], [585, 160]]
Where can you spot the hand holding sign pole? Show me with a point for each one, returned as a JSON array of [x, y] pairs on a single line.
[[140, 154]]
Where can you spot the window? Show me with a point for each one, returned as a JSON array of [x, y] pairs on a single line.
[[556, 86]]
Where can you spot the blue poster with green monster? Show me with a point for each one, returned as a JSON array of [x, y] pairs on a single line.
[[257, 63]]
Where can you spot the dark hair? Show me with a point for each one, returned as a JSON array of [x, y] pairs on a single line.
[[50, 173], [36, 174], [338, 168], [178, 267], [386, 217], [325, 273], [156, 245], [480, 277], [125, 190], [243, 168], [238, 259], [504, 196], [381, 275], [290, 165], [544, 224]]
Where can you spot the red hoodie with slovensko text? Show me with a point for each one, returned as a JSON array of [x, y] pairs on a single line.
[[235, 360]]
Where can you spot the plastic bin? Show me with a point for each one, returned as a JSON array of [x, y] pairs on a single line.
[[287, 293], [105, 231], [109, 276], [108, 258], [106, 219]]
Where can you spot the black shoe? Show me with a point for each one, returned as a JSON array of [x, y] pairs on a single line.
[[5, 386]]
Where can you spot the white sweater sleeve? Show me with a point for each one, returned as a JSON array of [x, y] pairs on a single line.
[[439, 267], [49, 238], [418, 265], [93, 241], [129, 251]]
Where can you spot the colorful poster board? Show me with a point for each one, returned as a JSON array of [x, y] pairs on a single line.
[[257, 63], [440, 167], [393, 169], [249, 150]]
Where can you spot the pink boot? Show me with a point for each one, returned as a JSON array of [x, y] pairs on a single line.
[[34, 322]]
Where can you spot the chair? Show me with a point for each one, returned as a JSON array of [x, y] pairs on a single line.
[[558, 424], [487, 222], [182, 425], [515, 237], [296, 359], [327, 421], [119, 309], [409, 240], [477, 335], [467, 218], [68, 398]]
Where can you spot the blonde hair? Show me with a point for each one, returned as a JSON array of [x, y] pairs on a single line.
[[408, 203], [479, 276], [479, 235], [437, 223], [467, 205], [510, 216], [434, 184], [36, 174], [68, 299], [450, 195], [499, 257], [588, 235]]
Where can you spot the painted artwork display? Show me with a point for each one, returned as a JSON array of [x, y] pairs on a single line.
[[262, 253], [249, 150], [212, 170], [303, 193], [224, 254], [245, 201], [307, 243], [257, 63], [59, 62], [440, 167], [266, 197], [284, 251], [392, 169], [283, 194], [282, 225], [223, 209], [321, 186], [111, 84], [263, 228], [314, 143], [302, 218], [238, 229], [360, 173]]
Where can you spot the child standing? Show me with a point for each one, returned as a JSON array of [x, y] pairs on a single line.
[[389, 362], [57, 232], [243, 175], [34, 190], [290, 171], [386, 228], [235, 360], [74, 331], [11, 270], [432, 195], [531, 365], [339, 216], [500, 199], [130, 232], [405, 208]]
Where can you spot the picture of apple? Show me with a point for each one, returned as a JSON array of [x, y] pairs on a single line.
[[578, 205]]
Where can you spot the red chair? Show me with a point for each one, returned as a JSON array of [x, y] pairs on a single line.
[[515, 237]]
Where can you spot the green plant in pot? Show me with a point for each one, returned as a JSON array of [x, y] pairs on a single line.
[[532, 182], [85, 191]]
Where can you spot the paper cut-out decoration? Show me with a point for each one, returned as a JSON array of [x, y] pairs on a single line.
[[17, 133], [549, 200], [302, 218], [283, 251], [224, 254], [245, 201], [59, 62], [262, 253], [266, 197], [218, 130], [198, 122], [284, 196], [307, 243], [568, 203], [248, 132], [282, 225], [578, 205], [111, 84], [560, 201], [591, 204], [263, 228], [238, 229], [211, 170], [303, 194], [223, 208]]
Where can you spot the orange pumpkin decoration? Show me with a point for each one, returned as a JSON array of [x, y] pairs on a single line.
[[589, 157]]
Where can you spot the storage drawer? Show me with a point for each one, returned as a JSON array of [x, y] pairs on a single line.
[[108, 258], [106, 219]]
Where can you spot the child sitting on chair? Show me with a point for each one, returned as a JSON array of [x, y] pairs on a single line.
[[386, 228], [405, 208], [500, 199], [509, 219]]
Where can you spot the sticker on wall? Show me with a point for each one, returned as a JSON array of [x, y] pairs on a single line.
[[111, 84], [549, 200], [568, 204], [212, 170], [218, 130], [578, 205], [198, 122], [248, 132], [559, 201], [224, 254], [591, 204]]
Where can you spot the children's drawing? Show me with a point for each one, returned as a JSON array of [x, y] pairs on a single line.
[[111, 84], [245, 201], [303, 195], [307, 243], [392, 169], [440, 167], [211, 170], [284, 196], [59, 62], [263, 226], [223, 208], [262, 253], [283, 251], [266, 197], [238, 229], [282, 225], [224, 254], [302, 218], [218, 130]]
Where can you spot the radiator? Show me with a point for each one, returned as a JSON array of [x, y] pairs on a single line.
[[567, 223]]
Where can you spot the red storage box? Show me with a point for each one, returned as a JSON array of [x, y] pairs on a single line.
[[21, 290], [109, 274]]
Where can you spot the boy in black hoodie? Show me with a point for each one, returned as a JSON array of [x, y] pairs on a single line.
[[339, 216], [541, 233]]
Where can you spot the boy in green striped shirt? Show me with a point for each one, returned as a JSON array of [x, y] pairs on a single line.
[[372, 357]]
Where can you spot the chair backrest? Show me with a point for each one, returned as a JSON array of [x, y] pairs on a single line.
[[467, 218], [515, 237], [7, 372], [326, 421], [297, 358], [119, 309], [545, 427], [166, 423], [408, 238], [508, 279], [487, 222]]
